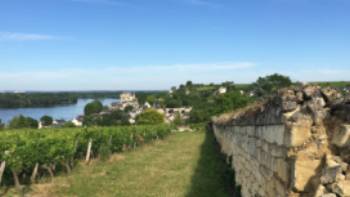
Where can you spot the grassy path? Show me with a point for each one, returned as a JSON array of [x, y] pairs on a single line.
[[182, 165]]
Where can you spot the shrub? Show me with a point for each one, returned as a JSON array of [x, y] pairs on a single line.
[[150, 116], [46, 120], [23, 122]]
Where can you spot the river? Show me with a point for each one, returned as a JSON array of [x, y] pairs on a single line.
[[66, 112]]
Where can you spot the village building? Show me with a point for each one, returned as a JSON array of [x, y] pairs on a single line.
[[222, 90], [171, 113], [78, 121], [126, 99]]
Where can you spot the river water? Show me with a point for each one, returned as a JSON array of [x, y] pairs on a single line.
[[66, 112]]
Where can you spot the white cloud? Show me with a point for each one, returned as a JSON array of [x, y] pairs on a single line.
[[134, 77], [13, 36]]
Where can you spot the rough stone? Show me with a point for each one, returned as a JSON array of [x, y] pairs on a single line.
[[330, 94], [304, 171], [320, 191], [290, 145], [311, 91], [342, 188], [329, 195], [341, 136], [299, 132]]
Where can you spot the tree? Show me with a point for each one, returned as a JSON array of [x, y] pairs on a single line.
[[46, 120], [117, 117], [2, 125], [189, 84], [23, 122], [93, 107], [271, 83], [128, 108], [150, 116]]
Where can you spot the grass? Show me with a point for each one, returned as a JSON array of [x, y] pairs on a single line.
[[182, 165]]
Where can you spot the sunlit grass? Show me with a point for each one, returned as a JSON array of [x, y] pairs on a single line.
[[184, 164]]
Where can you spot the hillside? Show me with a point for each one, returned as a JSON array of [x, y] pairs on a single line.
[[184, 164]]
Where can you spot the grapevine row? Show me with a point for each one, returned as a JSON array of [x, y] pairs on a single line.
[[26, 153]]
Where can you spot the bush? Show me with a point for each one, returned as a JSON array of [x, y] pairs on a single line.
[[270, 84], [46, 120], [23, 122], [93, 107], [150, 116], [68, 125], [115, 118]]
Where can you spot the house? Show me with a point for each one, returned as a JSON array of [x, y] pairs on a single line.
[[222, 90], [78, 121], [147, 105], [58, 123]]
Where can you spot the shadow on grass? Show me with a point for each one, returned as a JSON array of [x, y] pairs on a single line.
[[213, 177]]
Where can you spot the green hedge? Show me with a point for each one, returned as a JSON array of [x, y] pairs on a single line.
[[23, 149]]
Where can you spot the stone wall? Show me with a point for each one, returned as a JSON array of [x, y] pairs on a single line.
[[296, 143]]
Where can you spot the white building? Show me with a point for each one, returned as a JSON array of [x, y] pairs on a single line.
[[222, 90], [78, 121]]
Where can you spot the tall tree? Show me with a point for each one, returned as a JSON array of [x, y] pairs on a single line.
[[93, 107]]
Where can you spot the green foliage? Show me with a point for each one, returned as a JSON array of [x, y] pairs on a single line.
[[114, 118], [68, 125], [205, 101], [93, 107], [15, 100], [178, 120], [128, 108], [104, 151], [270, 84], [150, 96], [23, 122], [22, 149], [2, 125], [150, 116], [46, 120]]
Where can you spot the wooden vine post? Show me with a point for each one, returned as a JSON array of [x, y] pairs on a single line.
[[2, 170], [88, 151], [16, 179], [34, 173], [49, 170]]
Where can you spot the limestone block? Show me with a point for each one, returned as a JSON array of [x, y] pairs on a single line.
[[332, 174], [320, 191], [282, 170], [304, 170], [298, 132], [330, 94], [250, 130], [342, 188], [341, 136], [278, 151], [329, 195], [280, 189]]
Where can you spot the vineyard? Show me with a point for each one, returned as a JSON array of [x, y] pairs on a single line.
[[26, 155]]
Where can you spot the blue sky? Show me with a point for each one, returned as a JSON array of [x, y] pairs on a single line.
[[155, 44]]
